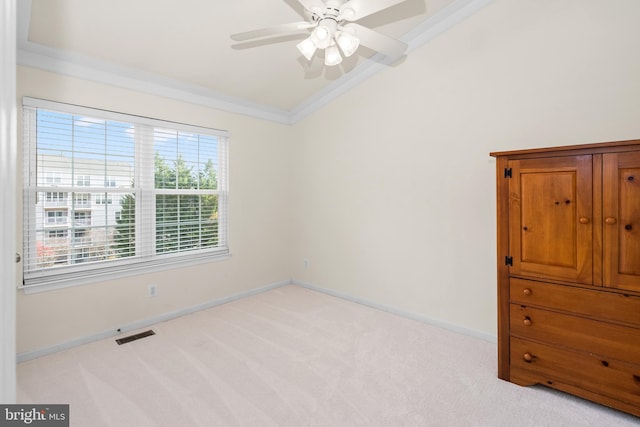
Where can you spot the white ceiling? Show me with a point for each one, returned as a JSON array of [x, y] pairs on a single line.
[[182, 48]]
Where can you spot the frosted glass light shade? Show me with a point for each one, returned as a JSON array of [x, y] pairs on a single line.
[[347, 42], [332, 55], [307, 48], [322, 35]]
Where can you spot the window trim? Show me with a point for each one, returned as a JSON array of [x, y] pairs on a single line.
[[81, 274]]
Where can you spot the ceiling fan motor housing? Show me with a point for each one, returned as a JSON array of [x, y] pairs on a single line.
[[331, 9]]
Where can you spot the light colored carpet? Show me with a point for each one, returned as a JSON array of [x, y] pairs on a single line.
[[295, 357]]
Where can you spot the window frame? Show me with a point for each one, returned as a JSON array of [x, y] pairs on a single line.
[[146, 259]]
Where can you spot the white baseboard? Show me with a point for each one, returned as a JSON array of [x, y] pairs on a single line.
[[29, 355], [420, 318]]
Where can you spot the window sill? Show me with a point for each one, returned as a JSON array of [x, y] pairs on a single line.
[[104, 274]]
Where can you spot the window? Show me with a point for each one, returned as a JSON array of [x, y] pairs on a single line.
[[82, 218], [83, 181], [103, 199], [81, 200], [163, 202], [56, 198], [57, 217], [52, 178], [54, 234]]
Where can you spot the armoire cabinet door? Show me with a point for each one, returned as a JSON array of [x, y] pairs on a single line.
[[551, 218], [621, 211]]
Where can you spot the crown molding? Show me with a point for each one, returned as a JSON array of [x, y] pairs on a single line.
[[420, 35], [81, 66]]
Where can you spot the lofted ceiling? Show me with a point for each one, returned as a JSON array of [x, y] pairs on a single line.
[[182, 49]]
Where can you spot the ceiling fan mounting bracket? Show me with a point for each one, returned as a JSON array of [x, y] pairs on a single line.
[[332, 13], [317, 15]]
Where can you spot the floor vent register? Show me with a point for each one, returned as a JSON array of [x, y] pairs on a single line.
[[134, 337]]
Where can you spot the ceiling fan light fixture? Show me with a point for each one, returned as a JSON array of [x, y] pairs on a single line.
[[322, 35], [347, 42], [307, 48], [332, 55]]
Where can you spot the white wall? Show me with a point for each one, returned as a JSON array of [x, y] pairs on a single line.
[[259, 223], [393, 201], [389, 190]]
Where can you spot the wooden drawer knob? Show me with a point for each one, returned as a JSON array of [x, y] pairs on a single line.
[[610, 221], [527, 321], [527, 291], [528, 357], [584, 220]]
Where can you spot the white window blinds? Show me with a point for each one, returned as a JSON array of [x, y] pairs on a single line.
[[107, 192]]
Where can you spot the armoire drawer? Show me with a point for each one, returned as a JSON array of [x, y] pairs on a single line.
[[549, 364], [607, 340], [597, 303]]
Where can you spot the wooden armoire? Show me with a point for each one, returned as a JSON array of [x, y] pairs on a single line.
[[569, 270]]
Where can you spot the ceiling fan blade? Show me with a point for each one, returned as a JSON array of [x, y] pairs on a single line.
[[358, 9], [313, 5], [293, 27], [377, 41]]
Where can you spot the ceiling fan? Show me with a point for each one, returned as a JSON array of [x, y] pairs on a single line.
[[331, 26]]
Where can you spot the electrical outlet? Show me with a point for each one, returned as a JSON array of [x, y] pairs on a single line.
[[305, 262], [152, 290]]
